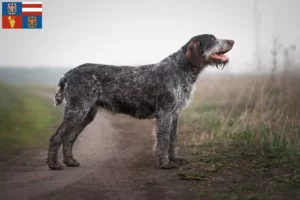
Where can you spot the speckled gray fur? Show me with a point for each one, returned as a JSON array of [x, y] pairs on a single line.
[[158, 91]]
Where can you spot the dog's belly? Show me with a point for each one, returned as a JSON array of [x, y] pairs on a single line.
[[141, 111]]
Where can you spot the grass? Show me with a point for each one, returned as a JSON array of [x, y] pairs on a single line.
[[26, 121], [242, 135], [258, 111]]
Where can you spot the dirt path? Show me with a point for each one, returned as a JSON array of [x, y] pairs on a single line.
[[116, 159]]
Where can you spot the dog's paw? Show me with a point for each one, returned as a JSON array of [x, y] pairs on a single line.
[[55, 165], [168, 165], [71, 163], [180, 161]]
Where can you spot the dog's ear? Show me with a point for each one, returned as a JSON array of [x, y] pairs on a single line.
[[193, 53]]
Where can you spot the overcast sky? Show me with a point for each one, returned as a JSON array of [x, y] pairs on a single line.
[[135, 32]]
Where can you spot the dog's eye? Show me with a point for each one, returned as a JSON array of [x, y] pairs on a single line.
[[213, 38]]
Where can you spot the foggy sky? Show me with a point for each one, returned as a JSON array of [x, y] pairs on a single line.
[[136, 32]]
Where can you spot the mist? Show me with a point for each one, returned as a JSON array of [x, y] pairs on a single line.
[[140, 32]]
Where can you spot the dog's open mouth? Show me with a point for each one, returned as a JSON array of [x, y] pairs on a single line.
[[219, 59], [220, 56]]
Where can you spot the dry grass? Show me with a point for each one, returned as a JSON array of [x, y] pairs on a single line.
[[241, 135], [261, 110]]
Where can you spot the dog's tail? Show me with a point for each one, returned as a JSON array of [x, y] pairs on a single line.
[[60, 91]]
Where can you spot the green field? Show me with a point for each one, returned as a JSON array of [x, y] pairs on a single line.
[[26, 120]]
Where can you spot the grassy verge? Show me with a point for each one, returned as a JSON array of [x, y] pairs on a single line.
[[242, 137], [26, 121]]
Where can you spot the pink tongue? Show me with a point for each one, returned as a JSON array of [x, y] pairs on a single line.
[[219, 57]]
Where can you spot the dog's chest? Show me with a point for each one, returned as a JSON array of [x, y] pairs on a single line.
[[184, 95], [189, 99]]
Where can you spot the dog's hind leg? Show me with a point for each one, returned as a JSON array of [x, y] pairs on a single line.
[[69, 139], [74, 116], [55, 142]]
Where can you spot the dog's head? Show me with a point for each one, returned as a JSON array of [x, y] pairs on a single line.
[[206, 49]]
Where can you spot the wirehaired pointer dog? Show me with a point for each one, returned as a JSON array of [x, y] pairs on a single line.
[[159, 90]]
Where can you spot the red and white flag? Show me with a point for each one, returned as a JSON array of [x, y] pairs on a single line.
[[32, 8]]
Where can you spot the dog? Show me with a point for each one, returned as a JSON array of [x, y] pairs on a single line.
[[159, 91]]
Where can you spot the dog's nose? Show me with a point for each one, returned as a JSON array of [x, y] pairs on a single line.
[[231, 42]]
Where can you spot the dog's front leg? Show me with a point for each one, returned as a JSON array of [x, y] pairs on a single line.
[[163, 128], [173, 151]]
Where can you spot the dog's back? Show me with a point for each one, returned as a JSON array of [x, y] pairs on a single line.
[[119, 89]]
